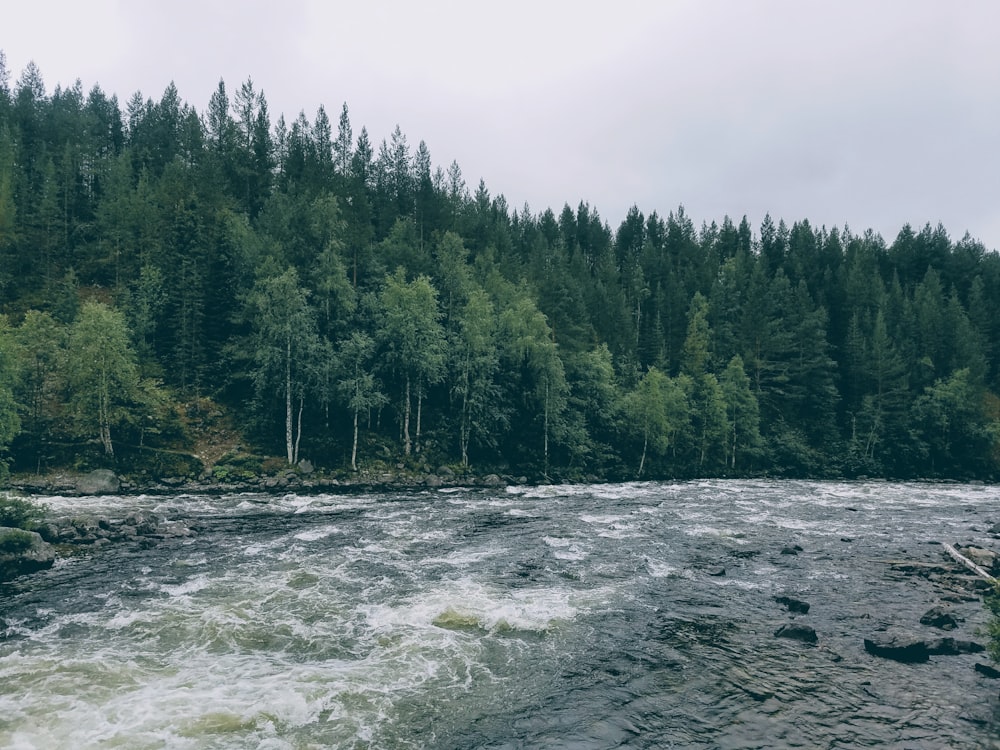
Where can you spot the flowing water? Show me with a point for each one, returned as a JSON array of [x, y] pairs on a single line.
[[527, 617]]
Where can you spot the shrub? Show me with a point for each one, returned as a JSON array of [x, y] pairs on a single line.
[[15, 541], [18, 513]]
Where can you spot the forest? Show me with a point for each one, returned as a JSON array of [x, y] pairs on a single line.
[[347, 301]]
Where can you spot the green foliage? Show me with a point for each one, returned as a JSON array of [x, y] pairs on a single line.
[[18, 513], [15, 541], [305, 280], [101, 371], [992, 602]]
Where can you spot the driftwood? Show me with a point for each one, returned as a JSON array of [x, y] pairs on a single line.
[[968, 563]]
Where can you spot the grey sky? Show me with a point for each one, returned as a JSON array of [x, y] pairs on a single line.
[[869, 114]]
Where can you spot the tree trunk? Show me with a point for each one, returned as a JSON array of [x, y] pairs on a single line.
[[354, 448], [406, 419], [642, 461], [298, 430], [546, 428], [104, 417], [420, 405], [288, 401]]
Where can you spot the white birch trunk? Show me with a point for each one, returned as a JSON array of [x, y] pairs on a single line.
[[288, 401], [354, 448], [406, 419]]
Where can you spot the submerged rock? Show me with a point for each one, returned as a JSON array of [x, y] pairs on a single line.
[[901, 648], [987, 670], [23, 552], [797, 632], [953, 647], [793, 604], [940, 617]]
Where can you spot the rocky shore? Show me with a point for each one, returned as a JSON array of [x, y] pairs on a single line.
[[300, 479]]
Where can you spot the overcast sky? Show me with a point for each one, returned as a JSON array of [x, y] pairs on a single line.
[[860, 113]]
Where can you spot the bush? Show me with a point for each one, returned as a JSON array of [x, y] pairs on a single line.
[[18, 513], [992, 602], [15, 541]]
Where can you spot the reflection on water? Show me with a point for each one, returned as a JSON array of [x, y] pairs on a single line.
[[634, 615]]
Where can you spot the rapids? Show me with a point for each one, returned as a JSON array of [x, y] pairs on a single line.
[[526, 617]]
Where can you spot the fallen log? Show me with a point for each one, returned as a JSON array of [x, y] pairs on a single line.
[[968, 563]]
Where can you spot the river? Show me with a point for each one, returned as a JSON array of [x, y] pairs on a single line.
[[583, 617]]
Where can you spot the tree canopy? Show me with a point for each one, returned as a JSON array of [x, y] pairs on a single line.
[[347, 300]]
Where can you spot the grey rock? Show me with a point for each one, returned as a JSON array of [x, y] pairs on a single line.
[[987, 670], [797, 632], [144, 522], [98, 482], [306, 467], [901, 648], [23, 552], [793, 604], [940, 617], [716, 571], [492, 480], [953, 647]]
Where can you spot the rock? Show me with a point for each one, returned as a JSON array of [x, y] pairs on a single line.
[[953, 647], [901, 648], [716, 571], [984, 558], [791, 550], [797, 632], [433, 480], [144, 522], [940, 617], [492, 480], [98, 482], [987, 671], [23, 552], [306, 467], [446, 472], [794, 605]]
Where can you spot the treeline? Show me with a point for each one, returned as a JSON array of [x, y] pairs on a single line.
[[351, 301]]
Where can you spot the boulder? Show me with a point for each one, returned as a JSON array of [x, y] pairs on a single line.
[[984, 558], [98, 482], [797, 632], [23, 552], [144, 522], [901, 648], [940, 617], [492, 480], [793, 604], [987, 670], [716, 571], [953, 647]]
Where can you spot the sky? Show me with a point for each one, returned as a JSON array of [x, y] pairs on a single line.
[[851, 113]]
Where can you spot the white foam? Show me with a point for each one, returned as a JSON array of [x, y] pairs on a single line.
[[314, 535]]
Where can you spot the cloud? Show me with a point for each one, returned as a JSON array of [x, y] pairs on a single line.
[[869, 114]]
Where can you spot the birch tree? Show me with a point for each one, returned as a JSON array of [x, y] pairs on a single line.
[[101, 370], [413, 343], [287, 349], [358, 387]]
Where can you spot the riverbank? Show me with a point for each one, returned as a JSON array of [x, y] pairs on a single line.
[[300, 479]]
